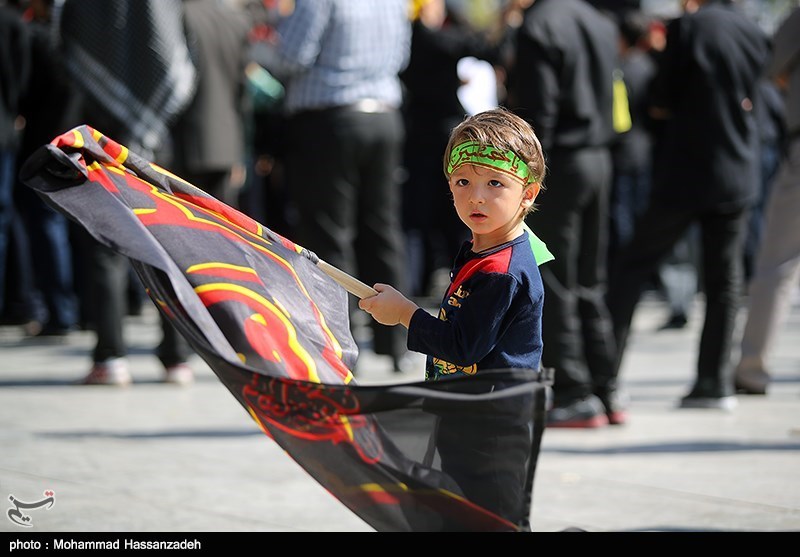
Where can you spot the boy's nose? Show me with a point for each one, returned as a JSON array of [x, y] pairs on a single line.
[[476, 196]]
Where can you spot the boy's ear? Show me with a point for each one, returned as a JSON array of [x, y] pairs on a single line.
[[530, 193]]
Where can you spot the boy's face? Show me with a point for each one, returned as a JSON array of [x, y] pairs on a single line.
[[490, 202]]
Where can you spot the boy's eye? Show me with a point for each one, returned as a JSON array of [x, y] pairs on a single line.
[[495, 184], [462, 182]]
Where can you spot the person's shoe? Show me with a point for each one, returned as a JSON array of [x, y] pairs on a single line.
[[584, 413], [751, 381], [32, 328], [179, 374], [109, 372], [675, 321], [727, 403], [615, 402], [52, 334], [710, 392]]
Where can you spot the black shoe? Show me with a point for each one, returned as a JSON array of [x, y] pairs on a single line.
[[709, 393], [675, 321], [53, 331], [710, 387], [615, 403], [714, 403], [584, 413]]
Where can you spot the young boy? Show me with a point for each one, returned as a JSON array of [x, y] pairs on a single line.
[[490, 317]]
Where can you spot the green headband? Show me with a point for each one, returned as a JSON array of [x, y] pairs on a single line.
[[471, 152]]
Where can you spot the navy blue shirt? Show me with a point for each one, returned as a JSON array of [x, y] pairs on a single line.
[[490, 317]]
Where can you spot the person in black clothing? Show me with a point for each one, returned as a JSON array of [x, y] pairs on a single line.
[[149, 80], [50, 107], [208, 136], [706, 172], [340, 62], [633, 167], [566, 54], [632, 151], [431, 109], [14, 72]]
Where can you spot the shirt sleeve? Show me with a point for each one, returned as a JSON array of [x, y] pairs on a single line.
[[301, 33], [473, 328]]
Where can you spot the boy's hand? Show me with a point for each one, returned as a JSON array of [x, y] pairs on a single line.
[[389, 307]]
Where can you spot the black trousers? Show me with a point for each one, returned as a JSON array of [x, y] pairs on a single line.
[[108, 276], [722, 271], [572, 220], [342, 169]]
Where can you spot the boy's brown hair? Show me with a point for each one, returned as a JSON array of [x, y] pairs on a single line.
[[503, 130]]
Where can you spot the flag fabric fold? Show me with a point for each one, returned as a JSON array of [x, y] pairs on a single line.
[[275, 330]]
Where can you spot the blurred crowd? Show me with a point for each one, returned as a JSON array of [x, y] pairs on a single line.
[[326, 120]]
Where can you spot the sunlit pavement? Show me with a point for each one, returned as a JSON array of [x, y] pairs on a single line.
[[153, 457]]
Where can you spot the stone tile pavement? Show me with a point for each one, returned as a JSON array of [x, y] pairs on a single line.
[[154, 457]]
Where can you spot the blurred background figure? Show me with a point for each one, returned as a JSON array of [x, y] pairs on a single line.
[[775, 276], [50, 107], [208, 137], [441, 40], [563, 84], [136, 78], [632, 152], [641, 44], [706, 172], [479, 87], [264, 196], [677, 278], [15, 64], [340, 62], [772, 132]]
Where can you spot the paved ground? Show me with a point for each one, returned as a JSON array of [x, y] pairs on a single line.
[[162, 458]]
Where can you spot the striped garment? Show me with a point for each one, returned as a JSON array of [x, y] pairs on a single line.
[[343, 51]]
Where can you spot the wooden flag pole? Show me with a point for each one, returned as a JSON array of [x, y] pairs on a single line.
[[349, 283]]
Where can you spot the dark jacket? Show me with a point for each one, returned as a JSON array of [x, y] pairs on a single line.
[[708, 84], [14, 70], [565, 59], [431, 78], [52, 104], [209, 135], [633, 149]]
